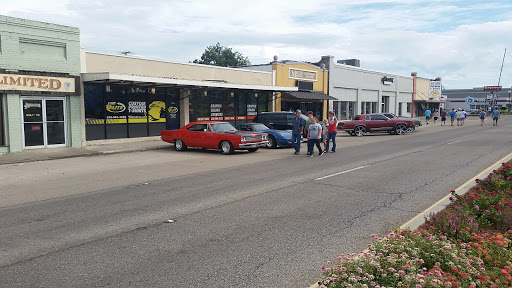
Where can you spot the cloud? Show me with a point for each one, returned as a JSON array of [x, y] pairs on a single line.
[[460, 41]]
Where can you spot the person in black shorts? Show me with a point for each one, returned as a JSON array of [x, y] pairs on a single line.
[[443, 117], [436, 116]]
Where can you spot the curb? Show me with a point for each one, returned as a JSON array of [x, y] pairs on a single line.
[[417, 220]]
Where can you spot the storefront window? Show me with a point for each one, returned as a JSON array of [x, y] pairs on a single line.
[[116, 111], [156, 110], [217, 106], [241, 113], [94, 111], [252, 105], [136, 110], [229, 106], [263, 102]]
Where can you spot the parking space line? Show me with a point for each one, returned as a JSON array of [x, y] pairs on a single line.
[[342, 172]]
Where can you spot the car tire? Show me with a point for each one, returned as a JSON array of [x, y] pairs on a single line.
[[272, 143], [252, 149], [400, 129], [226, 147], [179, 145], [359, 131]]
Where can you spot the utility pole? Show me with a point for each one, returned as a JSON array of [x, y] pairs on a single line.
[[494, 101]]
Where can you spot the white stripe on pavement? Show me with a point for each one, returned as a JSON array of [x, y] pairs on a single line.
[[453, 142], [342, 172]]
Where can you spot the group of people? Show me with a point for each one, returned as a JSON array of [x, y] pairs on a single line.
[[317, 132], [460, 115]]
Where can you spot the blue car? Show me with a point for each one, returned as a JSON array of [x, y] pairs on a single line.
[[281, 138]]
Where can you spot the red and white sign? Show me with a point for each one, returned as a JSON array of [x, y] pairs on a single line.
[[203, 118], [494, 88]]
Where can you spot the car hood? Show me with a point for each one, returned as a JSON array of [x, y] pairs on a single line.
[[242, 133], [280, 132]]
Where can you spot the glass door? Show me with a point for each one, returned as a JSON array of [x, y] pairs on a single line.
[[43, 122]]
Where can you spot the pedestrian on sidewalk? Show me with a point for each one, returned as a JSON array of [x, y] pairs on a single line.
[[482, 117], [325, 127], [452, 115], [436, 116], [495, 116], [443, 117], [297, 130], [331, 131], [308, 122], [458, 115], [314, 135], [427, 114]]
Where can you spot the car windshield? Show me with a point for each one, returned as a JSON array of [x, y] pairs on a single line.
[[259, 127], [222, 127]]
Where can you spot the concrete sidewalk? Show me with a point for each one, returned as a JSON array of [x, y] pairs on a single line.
[[93, 148]]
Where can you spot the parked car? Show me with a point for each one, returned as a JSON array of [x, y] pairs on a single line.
[[375, 123], [278, 120], [214, 135], [281, 138], [417, 122]]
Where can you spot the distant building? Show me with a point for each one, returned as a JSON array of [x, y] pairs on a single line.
[[457, 98]]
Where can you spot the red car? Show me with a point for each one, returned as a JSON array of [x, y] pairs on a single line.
[[214, 135], [374, 123]]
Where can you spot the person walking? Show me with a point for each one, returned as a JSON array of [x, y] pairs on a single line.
[[306, 128], [495, 116], [458, 115], [436, 116], [452, 115], [314, 135], [325, 127], [332, 130], [464, 116], [443, 117], [427, 115], [297, 130], [482, 117]]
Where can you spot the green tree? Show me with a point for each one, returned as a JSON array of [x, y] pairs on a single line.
[[218, 55]]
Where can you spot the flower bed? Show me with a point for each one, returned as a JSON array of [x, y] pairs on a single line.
[[468, 244]]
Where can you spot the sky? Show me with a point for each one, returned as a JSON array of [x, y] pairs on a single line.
[[463, 42]]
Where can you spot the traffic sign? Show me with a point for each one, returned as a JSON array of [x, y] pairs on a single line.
[[470, 100]]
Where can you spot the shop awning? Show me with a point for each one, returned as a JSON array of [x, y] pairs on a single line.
[[172, 82], [420, 97], [313, 95]]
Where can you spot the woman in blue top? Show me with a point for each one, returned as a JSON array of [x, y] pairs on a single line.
[[495, 116], [482, 117]]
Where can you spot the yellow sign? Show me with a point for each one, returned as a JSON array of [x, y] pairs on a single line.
[[300, 74], [36, 83]]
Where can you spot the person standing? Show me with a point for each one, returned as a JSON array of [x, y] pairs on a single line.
[[464, 116], [482, 117], [452, 115], [314, 135], [332, 130], [308, 122], [443, 117], [436, 116], [427, 114], [458, 115], [325, 127], [495, 116], [297, 130]]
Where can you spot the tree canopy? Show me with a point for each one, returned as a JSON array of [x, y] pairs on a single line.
[[218, 55]]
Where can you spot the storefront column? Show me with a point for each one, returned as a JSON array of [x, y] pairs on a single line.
[[184, 107], [14, 133]]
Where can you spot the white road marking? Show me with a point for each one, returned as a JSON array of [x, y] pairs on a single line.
[[342, 172], [453, 142]]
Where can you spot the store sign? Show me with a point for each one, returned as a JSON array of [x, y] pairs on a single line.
[[434, 89], [12, 82], [387, 80], [302, 74], [115, 107], [493, 88]]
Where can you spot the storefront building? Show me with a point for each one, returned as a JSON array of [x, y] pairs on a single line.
[[478, 98], [359, 91], [423, 97], [40, 102], [311, 81], [139, 97]]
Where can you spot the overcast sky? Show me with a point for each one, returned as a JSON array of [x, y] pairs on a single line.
[[461, 41]]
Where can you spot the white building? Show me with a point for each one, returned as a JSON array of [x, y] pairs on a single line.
[[361, 91]]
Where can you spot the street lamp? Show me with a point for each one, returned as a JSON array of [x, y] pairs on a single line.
[[509, 103]]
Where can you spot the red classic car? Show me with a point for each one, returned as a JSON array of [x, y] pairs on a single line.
[[214, 135], [375, 122]]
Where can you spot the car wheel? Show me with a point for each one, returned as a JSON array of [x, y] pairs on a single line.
[[252, 149], [411, 129], [179, 145], [360, 131], [226, 147], [271, 142], [400, 129]]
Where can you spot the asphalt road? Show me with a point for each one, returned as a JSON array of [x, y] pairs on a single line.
[[265, 219]]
